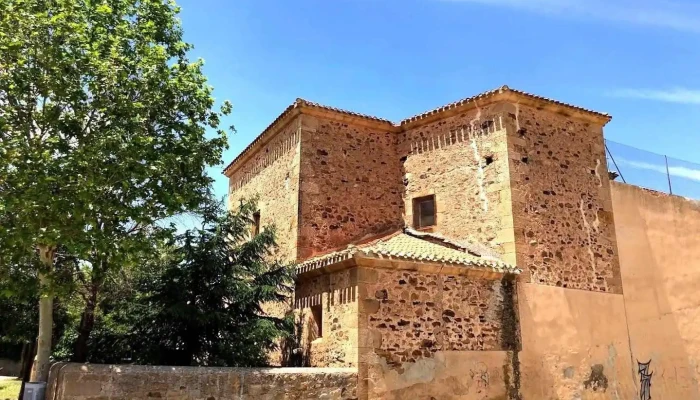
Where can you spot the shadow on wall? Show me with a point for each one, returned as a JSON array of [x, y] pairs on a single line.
[[296, 351]]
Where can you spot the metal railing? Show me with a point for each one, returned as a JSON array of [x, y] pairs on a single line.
[[653, 171]]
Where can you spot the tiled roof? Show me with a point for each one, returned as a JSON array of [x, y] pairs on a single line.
[[410, 245], [299, 103], [491, 93], [264, 133], [342, 111], [474, 248]]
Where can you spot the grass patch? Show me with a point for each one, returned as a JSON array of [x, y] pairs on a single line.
[[9, 389]]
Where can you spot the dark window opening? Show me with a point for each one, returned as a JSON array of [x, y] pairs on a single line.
[[424, 212], [256, 223], [488, 160], [317, 323]]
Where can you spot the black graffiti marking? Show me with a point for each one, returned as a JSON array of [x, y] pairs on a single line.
[[644, 380]]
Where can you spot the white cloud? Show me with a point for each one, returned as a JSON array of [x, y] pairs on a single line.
[[681, 172], [681, 16], [676, 95]]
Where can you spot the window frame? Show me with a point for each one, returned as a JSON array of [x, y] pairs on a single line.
[[255, 231], [417, 214], [317, 318]]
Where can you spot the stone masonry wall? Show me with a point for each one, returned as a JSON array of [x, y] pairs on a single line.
[[351, 186], [116, 382], [272, 174], [336, 293], [562, 209], [462, 160], [425, 334], [411, 315]]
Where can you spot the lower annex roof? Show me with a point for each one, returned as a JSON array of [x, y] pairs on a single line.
[[414, 246]]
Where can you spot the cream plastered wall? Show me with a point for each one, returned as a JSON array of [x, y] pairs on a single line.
[[659, 242], [574, 345]]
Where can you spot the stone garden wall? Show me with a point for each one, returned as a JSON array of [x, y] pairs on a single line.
[[111, 382]]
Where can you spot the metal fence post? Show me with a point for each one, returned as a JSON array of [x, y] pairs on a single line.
[[668, 175], [605, 142]]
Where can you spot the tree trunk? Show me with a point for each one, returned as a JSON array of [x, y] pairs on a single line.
[[43, 350], [87, 322]]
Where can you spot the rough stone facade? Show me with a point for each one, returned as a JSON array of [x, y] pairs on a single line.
[[412, 315], [271, 175], [462, 161], [336, 295], [113, 382], [415, 326], [351, 183], [521, 177], [521, 174], [562, 209]]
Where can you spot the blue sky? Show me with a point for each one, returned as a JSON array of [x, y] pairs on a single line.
[[637, 60]]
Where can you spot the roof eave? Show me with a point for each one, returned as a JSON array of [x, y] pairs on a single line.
[[506, 94], [503, 93], [554, 106], [265, 137], [301, 106], [471, 270], [378, 261]]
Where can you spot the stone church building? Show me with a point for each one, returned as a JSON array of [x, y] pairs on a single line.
[[478, 251]]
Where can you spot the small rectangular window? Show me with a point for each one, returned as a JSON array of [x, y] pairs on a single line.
[[424, 212], [256, 223], [317, 316]]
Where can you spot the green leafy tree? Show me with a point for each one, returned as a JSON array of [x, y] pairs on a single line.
[[102, 129], [108, 274], [205, 307], [112, 311]]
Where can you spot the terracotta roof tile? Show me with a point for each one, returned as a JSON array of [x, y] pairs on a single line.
[[299, 103], [490, 93], [342, 111], [411, 245], [264, 134]]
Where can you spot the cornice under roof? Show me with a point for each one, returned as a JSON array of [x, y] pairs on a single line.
[[301, 105]]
